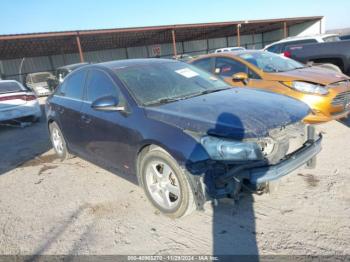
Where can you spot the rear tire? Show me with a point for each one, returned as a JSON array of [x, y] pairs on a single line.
[[165, 184], [58, 142]]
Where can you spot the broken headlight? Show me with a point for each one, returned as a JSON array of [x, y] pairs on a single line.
[[267, 146], [224, 149]]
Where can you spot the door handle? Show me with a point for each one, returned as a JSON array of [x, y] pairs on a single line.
[[86, 119]]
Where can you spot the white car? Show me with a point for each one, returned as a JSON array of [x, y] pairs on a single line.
[[280, 46], [229, 49], [18, 102]]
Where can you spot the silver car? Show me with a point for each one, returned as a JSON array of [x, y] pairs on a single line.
[[38, 83], [17, 102]]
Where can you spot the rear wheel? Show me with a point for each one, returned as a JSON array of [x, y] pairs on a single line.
[[166, 184], [58, 142]]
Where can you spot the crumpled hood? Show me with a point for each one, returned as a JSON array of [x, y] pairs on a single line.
[[309, 74], [235, 113]]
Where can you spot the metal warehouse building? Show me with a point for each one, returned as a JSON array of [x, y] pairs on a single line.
[[28, 53]]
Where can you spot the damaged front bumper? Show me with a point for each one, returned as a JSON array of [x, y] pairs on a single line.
[[293, 161], [222, 180]]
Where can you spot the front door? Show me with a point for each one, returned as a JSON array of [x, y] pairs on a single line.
[[226, 68], [107, 135]]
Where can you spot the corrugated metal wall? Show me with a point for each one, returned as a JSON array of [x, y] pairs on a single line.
[[11, 69]]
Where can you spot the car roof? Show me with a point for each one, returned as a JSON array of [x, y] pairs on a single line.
[[230, 54], [295, 38], [230, 47], [72, 66], [135, 62]]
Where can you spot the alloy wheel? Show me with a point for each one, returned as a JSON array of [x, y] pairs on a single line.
[[163, 185], [57, 140]]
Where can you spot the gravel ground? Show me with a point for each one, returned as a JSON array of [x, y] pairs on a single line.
[[73, 207]]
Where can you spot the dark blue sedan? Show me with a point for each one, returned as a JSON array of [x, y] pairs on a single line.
[[182, 132]]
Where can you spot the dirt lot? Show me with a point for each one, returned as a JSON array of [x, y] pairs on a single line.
[[74, 207]]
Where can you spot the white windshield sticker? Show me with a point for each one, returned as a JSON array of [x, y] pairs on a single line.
[[186, 72]]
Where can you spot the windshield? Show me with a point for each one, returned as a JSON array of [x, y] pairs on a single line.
[[163, 82], [40, 78], [270, 62], [11, 87]]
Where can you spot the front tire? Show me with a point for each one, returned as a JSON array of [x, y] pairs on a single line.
[[166, 184], [58, 142]]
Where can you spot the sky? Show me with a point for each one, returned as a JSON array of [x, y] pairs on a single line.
[[28, 16]]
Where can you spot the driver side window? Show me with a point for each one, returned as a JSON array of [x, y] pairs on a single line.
[[99, 84], [204, 64], [226, 67]]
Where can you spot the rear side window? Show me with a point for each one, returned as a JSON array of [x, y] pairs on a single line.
[[73, 86], [204, 64], [275, 48], [100, 85], [11, 87], [227, 67]]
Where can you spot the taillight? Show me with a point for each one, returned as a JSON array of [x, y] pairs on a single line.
[[29, 97], [287, 54], [20, 97]]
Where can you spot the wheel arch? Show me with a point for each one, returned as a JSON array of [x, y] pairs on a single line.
[[194, 181], [142, 151]]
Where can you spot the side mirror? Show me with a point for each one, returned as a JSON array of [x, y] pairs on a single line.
[[240, 77], [107, 103]]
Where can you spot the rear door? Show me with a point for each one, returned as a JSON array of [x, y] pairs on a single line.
[[68, 106]]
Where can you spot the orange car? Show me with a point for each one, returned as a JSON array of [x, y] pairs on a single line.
[[326, 92]]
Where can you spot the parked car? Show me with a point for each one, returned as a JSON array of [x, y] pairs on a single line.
[[280, 47], [229, 49], [17, 102], [183, 57], [326, 92], [61, 73], [337, 53], [184, 133], [37, 82]]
